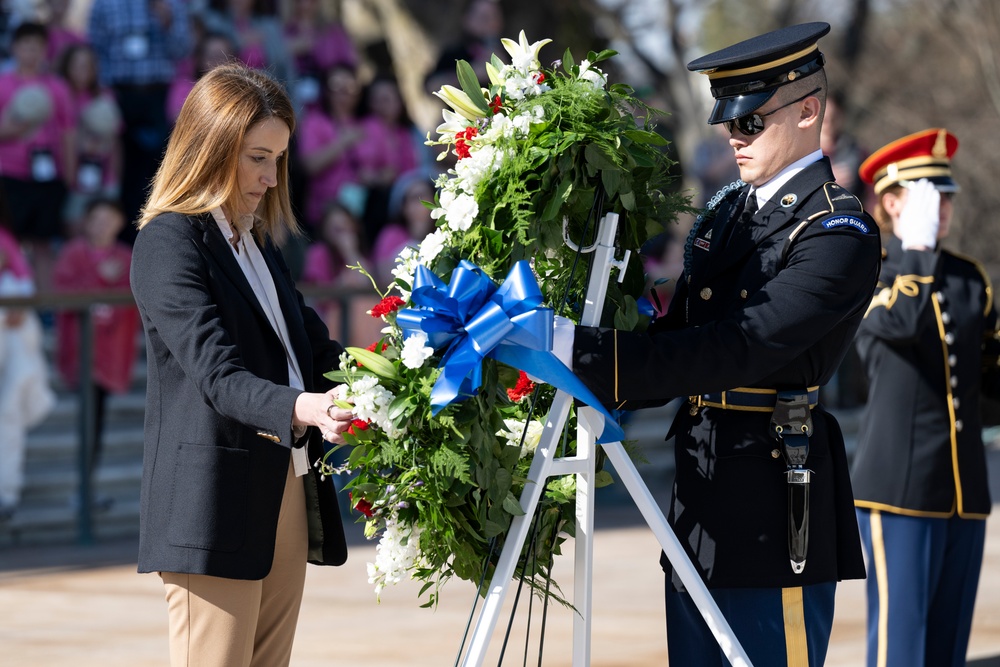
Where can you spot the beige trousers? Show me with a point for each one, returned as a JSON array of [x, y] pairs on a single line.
[[218, 622]]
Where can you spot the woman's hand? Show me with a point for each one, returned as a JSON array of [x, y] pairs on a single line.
[[319, 410]]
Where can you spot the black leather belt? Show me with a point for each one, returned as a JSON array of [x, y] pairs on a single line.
[[750, 399]]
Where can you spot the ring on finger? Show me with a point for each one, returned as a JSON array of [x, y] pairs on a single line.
[[330, 407]]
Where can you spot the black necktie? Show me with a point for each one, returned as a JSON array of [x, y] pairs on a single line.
[[739, 220], [750, 208]]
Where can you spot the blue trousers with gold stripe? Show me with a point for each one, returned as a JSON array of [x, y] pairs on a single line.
[[777, 627], [922, 579]]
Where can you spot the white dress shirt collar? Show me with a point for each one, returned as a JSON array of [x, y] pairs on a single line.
[[771, 188]]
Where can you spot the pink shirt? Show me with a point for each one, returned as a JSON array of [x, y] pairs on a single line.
[[331, 46], [318, 131], [386, 147], [320, 268], [60, 39], [16, 155], [83, 267]]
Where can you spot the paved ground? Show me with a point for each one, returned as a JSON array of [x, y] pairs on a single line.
[[86, 607]]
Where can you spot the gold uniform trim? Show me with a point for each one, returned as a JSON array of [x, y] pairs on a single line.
[[987, 281], [910, 174], [920, 514], [753, 69], [949, 399], [891, 509], [796, 645], [698, 401], [882, 581], [269, 436]]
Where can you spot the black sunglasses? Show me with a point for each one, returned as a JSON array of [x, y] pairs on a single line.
[[753, 123]]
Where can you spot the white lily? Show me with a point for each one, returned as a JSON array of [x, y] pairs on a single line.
[[460, 102], [453, 123], [494, 74], [523, 56]]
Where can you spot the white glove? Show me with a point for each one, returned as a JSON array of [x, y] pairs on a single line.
[[563, 335], [921, 216]]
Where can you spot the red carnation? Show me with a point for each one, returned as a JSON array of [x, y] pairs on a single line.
[[496, 104], [389, 304], [359, 424], [523, 388], [540, 77], [362, 506]]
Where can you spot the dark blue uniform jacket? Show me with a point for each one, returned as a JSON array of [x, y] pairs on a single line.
[[920, 450], [776, 308]]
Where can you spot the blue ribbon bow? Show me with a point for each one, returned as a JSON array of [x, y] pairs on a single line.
[[475, 319]]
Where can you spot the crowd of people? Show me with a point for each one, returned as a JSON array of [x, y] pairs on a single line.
[[774, 285], [87, 113]]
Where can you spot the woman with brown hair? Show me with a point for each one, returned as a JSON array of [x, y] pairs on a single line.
[[231, 510]]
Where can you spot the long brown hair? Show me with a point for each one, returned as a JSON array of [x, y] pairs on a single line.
[[199, 169]]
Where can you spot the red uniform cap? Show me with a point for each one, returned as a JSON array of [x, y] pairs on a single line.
[[925, 154]]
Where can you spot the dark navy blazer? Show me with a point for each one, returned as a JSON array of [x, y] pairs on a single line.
[[218, 418]]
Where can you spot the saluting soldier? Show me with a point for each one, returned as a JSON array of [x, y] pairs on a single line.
[[920, 471], [779, 271]]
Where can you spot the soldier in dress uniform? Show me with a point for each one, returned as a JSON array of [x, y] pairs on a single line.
[[919, 475], [779, 270]]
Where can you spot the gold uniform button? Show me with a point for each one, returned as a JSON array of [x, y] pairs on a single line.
[[775, 453], [706, 293], [743, 293]]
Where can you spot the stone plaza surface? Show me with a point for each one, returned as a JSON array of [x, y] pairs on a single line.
[[85, 606]]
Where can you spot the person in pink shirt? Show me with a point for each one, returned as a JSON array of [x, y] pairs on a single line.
[[94, 261], [339, 244], [388, 148], [409, 221], [316, 43], [212, 49], [99, 128], [37, 143], [328, 141], [61, 34]]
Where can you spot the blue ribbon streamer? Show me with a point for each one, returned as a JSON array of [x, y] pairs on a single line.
[[474, 318]]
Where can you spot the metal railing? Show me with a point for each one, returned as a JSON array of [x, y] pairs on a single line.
[[83, 302]]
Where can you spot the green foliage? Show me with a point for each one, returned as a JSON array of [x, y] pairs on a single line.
[[543, 155]]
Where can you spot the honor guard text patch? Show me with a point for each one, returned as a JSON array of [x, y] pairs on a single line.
[[849, 221]]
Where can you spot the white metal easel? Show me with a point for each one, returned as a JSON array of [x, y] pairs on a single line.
[[545, 464]]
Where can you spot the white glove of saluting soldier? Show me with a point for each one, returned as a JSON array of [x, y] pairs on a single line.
[[921, 216]]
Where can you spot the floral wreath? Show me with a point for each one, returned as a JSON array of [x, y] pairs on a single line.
[[542, 153]]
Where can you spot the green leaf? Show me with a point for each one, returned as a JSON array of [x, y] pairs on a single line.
[[602, 479], [627, 316], [628, 201], [645, 138], [556, 200], [604, 55], [376, 363], [470, 84], [512, 506], [500, 485], [400, 406], [612, 180], [567, 62], [597, 157]]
